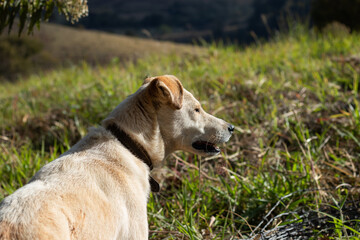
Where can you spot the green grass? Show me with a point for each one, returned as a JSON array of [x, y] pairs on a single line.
[[294, 102]]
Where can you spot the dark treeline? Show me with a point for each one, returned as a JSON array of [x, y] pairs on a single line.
[[235, 20], [346, 12]]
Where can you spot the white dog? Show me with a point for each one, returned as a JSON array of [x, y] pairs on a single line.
[[99, 188]]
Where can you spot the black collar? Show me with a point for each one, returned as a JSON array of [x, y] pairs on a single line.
[[135, 149]]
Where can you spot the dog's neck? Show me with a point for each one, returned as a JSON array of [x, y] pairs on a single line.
[[130, 144], [137, 116], [135, 149]]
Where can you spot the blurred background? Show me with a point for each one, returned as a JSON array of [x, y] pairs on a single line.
[[239, 22]]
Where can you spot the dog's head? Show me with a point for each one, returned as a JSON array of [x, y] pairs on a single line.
[[183, 124]]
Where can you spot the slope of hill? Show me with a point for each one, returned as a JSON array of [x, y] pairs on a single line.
[[56, 45], [99, 47]]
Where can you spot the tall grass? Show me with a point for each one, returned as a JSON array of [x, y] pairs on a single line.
[[294, 102]]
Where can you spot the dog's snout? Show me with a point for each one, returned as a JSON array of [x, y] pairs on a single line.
[[231, 128]]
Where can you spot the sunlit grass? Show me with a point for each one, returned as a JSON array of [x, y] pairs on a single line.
[[294, 102]]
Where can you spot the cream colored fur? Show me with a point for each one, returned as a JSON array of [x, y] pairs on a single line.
[[99, 189]]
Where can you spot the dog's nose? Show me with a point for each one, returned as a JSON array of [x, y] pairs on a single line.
[[231, 128]]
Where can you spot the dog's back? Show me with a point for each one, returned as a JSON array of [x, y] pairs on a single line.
[[62, 200], [25, 215]]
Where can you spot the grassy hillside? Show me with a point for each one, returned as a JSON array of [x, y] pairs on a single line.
[[294, 102], [55, 45]]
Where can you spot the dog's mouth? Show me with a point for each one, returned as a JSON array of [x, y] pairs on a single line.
[[207, 147]]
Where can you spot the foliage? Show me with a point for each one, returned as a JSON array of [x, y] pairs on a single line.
[[324, 12], [271, 15], [35, 11], [294, 102]]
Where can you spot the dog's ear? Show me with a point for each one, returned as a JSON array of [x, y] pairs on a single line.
[[148, 79], [166, 89]]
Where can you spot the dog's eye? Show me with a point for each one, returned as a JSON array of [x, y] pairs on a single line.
[[197, 109]]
